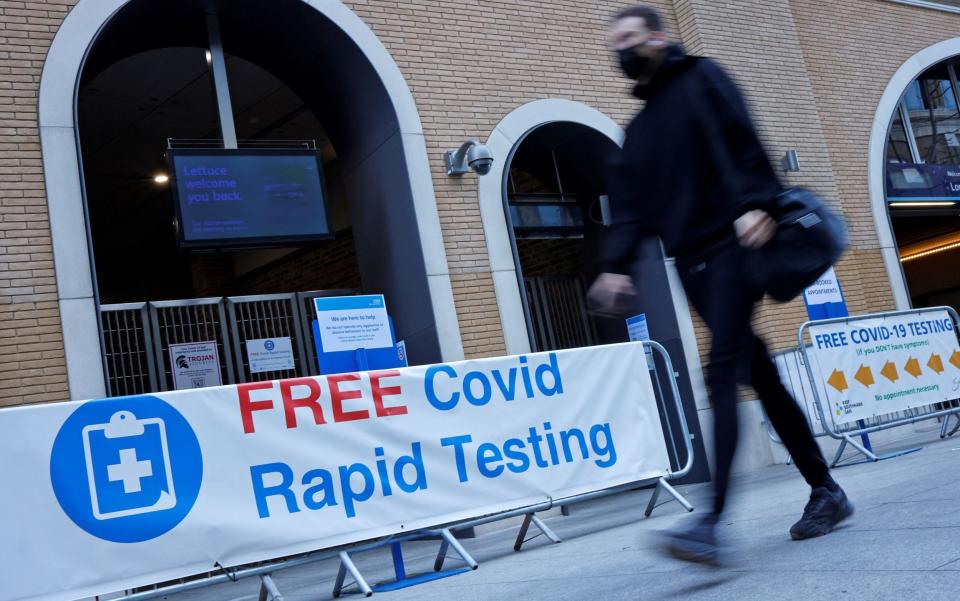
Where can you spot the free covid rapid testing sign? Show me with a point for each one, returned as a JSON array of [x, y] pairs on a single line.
[[873, 367], [111, 494]]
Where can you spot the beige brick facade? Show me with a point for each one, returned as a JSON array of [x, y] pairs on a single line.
[[813, 71]]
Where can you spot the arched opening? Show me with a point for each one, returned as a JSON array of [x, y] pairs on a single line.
[[552, 195], [302, 74], [922, 184]]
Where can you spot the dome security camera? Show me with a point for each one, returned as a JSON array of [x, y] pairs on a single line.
[[472, 155], [480, 159]]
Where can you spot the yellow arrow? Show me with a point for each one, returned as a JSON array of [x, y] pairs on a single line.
[[935, 363], [838, 380], [955, 359], [865, 376], [889, 372], [912, 367]]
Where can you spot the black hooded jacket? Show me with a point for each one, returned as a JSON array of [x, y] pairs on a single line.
[[668, 181]]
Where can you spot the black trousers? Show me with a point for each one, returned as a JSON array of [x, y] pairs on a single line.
[[718, 290]]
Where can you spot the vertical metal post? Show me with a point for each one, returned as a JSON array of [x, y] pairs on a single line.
[[218, 66], [908, 131], [441, 556], [268, 589]]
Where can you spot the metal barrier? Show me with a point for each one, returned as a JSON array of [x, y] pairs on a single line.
[[795, 378], [558, 312], [264, 571], [845, 432], [184, 321], [266, 316], [128, 349]]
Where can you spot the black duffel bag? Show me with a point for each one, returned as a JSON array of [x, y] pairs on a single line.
[[809, 240]]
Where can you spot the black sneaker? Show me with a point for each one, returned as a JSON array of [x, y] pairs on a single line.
[[697, 544], [823, 512]]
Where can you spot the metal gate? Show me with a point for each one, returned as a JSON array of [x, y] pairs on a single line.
[[183, 321], [558, 312], [128, 349], [266, 316], [137, 336]]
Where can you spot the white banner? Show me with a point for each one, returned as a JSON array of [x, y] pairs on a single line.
[[872, 367], [112, 494]]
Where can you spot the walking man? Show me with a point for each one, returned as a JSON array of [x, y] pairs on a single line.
[[706, 194]]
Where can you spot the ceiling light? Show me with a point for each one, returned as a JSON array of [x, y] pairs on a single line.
[[926, 253], [209, 57], [161, 178], [906, 205]]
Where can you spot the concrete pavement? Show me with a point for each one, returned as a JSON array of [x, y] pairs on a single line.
[[903, 544]]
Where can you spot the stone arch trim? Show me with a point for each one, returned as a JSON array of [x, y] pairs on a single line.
[[502, 140], [67, 213], [897, 85]]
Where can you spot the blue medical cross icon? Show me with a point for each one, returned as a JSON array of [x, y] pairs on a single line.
[[130, 471]]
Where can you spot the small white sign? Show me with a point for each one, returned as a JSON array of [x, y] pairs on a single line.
[[348, 323], [270, 354], [951, 139], [195, 365], [825, 290]]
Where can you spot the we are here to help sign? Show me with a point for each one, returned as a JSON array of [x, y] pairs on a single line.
[[872, 367], [112, 494]]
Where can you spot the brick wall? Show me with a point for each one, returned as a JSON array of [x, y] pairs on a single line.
[[470, 66], [32, 366], [550, 257], [328, 265], [812, 70], [852, 49]]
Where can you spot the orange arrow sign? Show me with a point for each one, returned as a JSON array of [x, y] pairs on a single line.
[[889, 372], [935, 363], [838, 380], [912, 367], [955, 359], [865, 376]]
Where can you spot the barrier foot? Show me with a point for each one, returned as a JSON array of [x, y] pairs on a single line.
[[451, 540], [268, 589], [441, 556], [870, 455], [663, 485], [545, 530], [946, 424], [347, 565]]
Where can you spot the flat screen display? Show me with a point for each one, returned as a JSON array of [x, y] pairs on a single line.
[[248, 198]]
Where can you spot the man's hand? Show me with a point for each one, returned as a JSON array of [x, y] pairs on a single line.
[[605, 290], [755, 228]]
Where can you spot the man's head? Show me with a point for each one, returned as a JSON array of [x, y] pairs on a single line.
[[637, 36]]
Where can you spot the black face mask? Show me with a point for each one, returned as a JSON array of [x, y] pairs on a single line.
[[633, 64]]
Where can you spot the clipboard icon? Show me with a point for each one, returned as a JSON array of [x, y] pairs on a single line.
[[128, 466]]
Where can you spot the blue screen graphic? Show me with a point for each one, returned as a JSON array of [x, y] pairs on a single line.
[[237, 197]]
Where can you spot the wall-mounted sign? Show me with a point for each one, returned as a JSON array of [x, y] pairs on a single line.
[[270, 354], [348, 323], [195, 365]]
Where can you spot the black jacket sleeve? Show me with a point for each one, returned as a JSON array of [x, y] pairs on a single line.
[[622, 241], [749, 175]]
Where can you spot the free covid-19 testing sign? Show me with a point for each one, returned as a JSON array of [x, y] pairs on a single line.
[[113, 494], [873, 367]]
